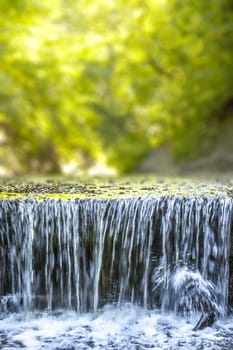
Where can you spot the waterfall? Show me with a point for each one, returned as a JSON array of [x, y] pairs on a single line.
[[81, 254]]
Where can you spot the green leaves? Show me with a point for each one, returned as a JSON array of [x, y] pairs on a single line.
[[111, 80]]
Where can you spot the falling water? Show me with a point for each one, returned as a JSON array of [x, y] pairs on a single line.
[[158, 253]]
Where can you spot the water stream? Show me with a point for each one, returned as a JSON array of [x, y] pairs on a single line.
[[124, 273]]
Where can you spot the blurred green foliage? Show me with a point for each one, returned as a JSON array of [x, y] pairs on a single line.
[[106, 80]]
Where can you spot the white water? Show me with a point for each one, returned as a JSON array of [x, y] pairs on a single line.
[[153, 259], [128, 327]]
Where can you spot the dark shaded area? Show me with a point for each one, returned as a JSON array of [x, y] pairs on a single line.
[[208, 316], [230, 295]]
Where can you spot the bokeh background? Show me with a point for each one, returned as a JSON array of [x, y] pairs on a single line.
[[118, 86]]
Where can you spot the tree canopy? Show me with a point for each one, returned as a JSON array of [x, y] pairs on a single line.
[[106, 81]]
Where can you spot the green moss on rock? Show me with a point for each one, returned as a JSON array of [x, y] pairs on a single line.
[[67, 188]]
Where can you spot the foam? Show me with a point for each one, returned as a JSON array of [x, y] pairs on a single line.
[[126, 327]]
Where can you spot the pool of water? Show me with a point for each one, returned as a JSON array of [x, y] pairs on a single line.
[[126, 327]]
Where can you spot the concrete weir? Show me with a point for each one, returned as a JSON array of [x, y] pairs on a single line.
[[170, 252]]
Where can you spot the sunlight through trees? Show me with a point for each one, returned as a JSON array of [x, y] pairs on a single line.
[[106, 81]]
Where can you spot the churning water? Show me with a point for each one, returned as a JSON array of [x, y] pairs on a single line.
[[128, 273]]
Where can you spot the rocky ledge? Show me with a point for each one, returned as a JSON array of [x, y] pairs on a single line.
[[114, 188]]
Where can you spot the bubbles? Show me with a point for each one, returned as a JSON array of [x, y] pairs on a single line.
[[128, 327]]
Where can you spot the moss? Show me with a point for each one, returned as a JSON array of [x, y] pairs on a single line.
[[67, 188]]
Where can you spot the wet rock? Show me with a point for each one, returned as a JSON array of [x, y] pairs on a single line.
[[208, 316], [206, 320]]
